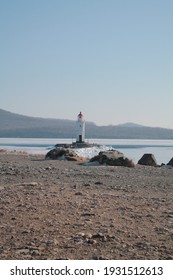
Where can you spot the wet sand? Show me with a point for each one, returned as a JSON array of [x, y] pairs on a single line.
[[52, 209]]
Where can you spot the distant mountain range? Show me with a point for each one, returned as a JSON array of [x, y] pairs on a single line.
[[15, 125]]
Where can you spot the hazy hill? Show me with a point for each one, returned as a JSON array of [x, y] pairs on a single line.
[[130, 124], [15, 125]]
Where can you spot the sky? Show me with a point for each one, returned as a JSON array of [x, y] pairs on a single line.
[[110, 59]]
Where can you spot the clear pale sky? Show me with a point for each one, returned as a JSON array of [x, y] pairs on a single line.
[[110, 59]]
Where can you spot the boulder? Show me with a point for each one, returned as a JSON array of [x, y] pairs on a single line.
[[148, 159], [170, 162], [113, 158], [59, 153]]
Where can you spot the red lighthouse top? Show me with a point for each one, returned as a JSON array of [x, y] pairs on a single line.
[[80, 116]]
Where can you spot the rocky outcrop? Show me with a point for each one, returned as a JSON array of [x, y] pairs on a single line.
[[148, 159], [113, 158], [60, 153], [64, 154]]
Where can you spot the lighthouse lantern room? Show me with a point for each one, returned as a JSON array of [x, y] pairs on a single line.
[[80, 138]]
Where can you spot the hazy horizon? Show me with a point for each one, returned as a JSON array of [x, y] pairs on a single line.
[[118, 124], [110, 59]]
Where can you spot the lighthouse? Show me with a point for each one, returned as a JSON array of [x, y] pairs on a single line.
[[80, 137]]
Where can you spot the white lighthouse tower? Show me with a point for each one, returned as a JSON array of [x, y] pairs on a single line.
[[80, 137]]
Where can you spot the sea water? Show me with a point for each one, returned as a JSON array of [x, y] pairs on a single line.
[[131, 148]]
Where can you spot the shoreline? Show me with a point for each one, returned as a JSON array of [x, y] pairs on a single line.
[[81, 158], [53, 209], [134, 149]]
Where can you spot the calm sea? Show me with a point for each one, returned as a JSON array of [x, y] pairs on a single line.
[[132, 148]]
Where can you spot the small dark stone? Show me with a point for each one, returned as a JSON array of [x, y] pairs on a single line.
[[78, 193], [98, 183]]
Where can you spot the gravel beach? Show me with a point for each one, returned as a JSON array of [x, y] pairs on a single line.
[[51, 209]]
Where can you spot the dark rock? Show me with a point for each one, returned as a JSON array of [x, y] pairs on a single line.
[[59, 152], [113, 158], [99, 258], [98, 183], [54, 154], [170, 162], [78, 193], [95, 158], [148, 159]]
